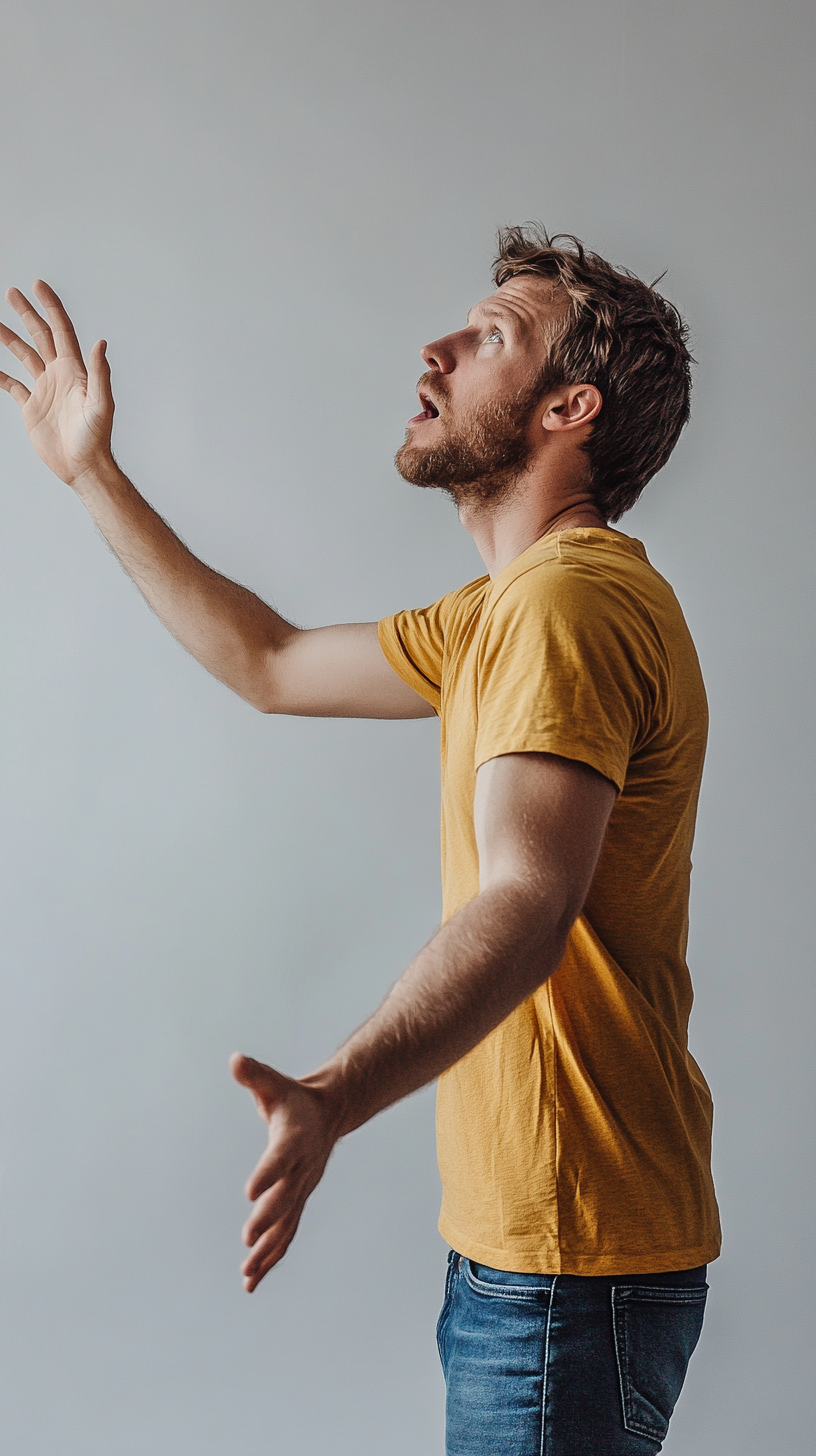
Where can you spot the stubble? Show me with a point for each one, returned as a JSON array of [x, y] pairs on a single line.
[[483, 458]]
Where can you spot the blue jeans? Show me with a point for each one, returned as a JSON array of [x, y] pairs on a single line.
[[564, 1364]]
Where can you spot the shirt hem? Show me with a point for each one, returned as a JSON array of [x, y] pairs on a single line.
[[398, 659], [588, 753], [549, 1259]]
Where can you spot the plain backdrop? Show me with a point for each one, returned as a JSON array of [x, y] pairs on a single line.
[[267, 208]]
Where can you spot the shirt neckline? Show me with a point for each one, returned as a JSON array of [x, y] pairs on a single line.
[[603, 536]]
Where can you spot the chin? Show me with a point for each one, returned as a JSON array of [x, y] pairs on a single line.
[[416, 465]]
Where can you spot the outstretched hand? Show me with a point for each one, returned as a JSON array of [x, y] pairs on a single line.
[[303, 1128], [68, 412]]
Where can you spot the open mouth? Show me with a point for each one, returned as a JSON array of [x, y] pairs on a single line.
[[429, 410]]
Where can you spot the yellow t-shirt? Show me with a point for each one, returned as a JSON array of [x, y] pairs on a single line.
[[576, 1137]]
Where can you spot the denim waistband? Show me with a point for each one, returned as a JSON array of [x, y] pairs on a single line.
[[672, 1279]]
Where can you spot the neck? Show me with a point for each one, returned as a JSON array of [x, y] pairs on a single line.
[[504, 528]]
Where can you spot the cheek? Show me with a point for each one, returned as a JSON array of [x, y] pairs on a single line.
[[490, 389], [473, 390]]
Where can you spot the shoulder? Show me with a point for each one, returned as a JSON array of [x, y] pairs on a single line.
[[416, 642], [584, 579], [576, 562], [436, 621]]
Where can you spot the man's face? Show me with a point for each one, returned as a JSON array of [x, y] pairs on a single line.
[[476, 433]]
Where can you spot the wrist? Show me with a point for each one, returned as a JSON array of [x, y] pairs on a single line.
[[101, 477], [336, 1087]]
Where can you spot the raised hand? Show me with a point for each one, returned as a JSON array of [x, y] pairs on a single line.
[[303, 1123], [68, 412]]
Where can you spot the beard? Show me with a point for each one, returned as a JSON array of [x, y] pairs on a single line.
[[482, 459]]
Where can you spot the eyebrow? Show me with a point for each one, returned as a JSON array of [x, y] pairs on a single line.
[[492, 310]]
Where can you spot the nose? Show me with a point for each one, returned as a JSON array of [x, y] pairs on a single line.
[[440, 355]]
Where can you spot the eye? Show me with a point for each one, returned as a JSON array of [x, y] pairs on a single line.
[[495, 337]]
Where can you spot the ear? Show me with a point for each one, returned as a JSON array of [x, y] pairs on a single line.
[[571, 406]]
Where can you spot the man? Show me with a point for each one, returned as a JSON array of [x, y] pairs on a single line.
[[552, 1004]]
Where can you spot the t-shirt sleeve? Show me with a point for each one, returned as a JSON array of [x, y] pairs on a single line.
[[563, 669], [413, 643]]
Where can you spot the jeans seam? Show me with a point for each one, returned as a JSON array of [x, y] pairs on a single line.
[[447, 1303], [654, 1294], [554, 1064], [663, 1293], [526, 1293], [449, 1273], [623, 1378], [546, 1369]]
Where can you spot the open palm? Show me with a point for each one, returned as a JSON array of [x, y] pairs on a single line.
[[68, 412], [302, 1124]]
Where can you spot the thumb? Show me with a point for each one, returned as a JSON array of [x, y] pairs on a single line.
[[99, 378], [267, 1086]]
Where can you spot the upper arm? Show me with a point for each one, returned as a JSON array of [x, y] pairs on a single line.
[[338, 672], [564, 669], [540, 821]]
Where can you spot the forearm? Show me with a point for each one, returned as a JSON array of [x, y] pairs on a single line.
[[231, 632], [488, 959], [539, 821]]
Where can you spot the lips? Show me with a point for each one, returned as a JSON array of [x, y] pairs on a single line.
[[429, 410]]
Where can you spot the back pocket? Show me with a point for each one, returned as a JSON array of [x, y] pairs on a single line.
[[656, 1329]]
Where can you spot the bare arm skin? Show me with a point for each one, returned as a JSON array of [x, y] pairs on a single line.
[[540, 820], [336, 671], [540, 823]]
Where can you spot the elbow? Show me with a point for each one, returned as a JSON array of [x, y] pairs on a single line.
[[543, 924], [262, 687], [272, 676], [264, 702], [562, 920]]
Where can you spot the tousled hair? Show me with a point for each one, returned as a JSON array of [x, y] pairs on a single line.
[[621, 335]]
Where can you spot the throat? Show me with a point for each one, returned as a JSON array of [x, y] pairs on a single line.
[[515, 524]]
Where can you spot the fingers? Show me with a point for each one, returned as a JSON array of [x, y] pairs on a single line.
[[272, 1225], [271, 1228], [270, 1208], [269, 1250], [37, 326], [22, 351], [65, 339], [291, 1167], [275, 1162], [54, 338], [18, 391]]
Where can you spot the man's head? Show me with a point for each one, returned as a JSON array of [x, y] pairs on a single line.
[[569, 355]]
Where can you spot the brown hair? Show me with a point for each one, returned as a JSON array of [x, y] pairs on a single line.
[[623, 337]]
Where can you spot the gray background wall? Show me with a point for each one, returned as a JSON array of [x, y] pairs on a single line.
[[267, 209]]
